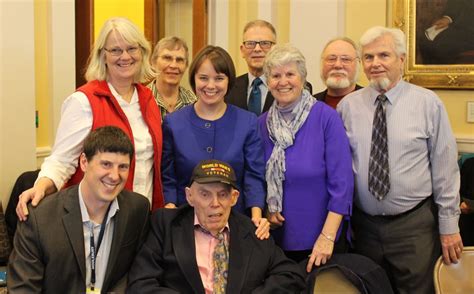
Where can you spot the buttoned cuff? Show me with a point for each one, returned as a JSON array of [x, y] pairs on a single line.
[[449, 225]]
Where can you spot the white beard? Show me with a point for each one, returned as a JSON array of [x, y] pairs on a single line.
[[335, 83], [380, 85]]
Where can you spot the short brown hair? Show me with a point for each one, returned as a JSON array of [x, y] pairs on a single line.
[[107, 139], [220, 60]]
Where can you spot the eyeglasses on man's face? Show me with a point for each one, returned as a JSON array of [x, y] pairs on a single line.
[[117, 51], [345, 59], [263, 44]]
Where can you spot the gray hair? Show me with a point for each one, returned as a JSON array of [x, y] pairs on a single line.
[[357, 51], [345, 39], [399, 39], [281, 55], [170, 43]]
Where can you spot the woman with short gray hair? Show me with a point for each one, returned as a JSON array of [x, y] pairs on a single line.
[[308, 162]]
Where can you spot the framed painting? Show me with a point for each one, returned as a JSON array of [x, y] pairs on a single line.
[[440, 38]]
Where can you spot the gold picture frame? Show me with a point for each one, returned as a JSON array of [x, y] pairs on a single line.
[[435, 76]]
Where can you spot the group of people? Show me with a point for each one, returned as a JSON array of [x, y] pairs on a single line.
[[298, 166]]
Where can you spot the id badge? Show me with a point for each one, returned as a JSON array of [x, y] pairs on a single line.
[[90, 291]]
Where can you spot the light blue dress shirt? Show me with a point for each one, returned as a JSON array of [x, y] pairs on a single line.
[[422, 152]]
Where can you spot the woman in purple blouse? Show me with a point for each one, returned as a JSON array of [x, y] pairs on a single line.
[[309, 166]]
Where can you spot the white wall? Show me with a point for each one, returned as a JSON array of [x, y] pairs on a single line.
[[17, 92], [17, 82], [312, 24], [62, 55]]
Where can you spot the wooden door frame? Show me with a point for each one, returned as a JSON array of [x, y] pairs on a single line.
[[155, 22], [154, 29], [200, 20], [84, 33]]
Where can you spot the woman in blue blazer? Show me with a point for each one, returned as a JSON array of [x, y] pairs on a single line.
[[212, 129]]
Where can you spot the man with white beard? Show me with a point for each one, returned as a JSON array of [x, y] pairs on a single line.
[[406, 200], [339, 70]]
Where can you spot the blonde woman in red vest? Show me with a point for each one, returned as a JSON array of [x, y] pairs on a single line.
[[113, 95]]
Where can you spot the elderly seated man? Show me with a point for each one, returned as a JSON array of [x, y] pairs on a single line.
[[204, 247]]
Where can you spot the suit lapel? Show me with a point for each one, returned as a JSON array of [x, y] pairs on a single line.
[[72, 221], [185, 250], [240, 251], [268, 101], [241, 85]]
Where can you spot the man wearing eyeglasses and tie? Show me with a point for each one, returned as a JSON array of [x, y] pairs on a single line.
[[339, 70], [250, 91]]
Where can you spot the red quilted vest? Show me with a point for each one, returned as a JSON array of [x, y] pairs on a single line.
[[107, 111]]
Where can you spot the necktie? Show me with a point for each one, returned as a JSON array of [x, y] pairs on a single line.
[[255, 99], [221, 265], [379, 173]]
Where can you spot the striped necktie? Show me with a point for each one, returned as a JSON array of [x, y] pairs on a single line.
[[379, 172]]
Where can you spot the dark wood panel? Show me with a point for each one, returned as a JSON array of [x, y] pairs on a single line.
[[199, 25], [84, 21]]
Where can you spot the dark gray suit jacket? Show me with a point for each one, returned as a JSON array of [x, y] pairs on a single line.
[[167, 260], [238, 94], [48, 253]]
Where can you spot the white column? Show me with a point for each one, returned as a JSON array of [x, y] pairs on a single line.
[[62, 55], [17, 93], [218, 25], [312, 24]]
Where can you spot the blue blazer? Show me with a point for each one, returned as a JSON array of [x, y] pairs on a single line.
[[233, 138]]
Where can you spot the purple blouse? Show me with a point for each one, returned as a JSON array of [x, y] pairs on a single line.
[[318, 177]]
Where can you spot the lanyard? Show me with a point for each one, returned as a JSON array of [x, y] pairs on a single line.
[[92, 245]]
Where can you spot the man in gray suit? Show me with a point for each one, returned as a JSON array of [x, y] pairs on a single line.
[[83, 238]]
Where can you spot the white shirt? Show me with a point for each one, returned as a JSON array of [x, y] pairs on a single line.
[[263, 89], [76, 124], [104, 250]]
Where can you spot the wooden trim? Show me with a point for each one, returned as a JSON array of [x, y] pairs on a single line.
[[84, 30], [199, 25], [154, 20]]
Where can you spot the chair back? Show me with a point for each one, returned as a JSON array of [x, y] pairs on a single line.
[[455, 278]]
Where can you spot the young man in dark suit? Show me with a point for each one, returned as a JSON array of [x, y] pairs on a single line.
[[204, 247], [83, 238]]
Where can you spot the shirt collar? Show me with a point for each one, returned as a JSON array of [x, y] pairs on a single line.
[[252, 77], [391, 94], [197, 223], [85, 215], [117, 96]]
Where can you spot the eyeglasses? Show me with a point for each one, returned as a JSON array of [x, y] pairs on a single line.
[[119, 51], [263, 44], [345, 60], [169, 59]]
